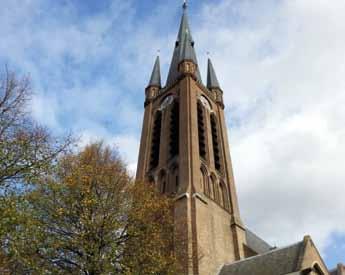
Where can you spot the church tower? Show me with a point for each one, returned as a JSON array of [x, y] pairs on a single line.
[[184, 150]]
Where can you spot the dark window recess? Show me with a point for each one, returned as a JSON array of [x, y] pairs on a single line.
[[224, 196], [176, 184], [156, 138], [201, 131], [164, 187], [215, 141], [174, 130]]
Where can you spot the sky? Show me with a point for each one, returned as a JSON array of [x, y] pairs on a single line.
[[281, 65]]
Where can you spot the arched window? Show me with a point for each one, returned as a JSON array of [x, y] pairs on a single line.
[[177, 184], [224, 195], [174, 184], [164, 187], [215, 188], [215, 143], [318, 269], [174, 129], [201, 130], [156, 140], [163, 182], [204, 181]]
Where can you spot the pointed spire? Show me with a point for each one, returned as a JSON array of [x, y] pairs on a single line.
[[184, 4], [184, 49], [212, 81], [156, 75]]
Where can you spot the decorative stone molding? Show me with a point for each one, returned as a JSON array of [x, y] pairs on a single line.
[[187, 67], [184, 195], [200, 197]]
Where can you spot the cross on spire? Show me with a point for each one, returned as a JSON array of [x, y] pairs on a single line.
[[185, 5]]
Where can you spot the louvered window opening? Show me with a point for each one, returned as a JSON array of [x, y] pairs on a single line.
[[174, 130], [201, 130], [215, 141], [156, 140]]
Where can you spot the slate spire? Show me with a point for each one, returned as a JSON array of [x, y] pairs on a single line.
[[155, 79], [212, 81], [184, 49]]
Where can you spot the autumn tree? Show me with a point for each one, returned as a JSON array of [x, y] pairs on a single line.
[[26, 149], [88, 217]]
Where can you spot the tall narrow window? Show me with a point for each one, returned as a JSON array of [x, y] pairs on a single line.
[[174, 129], [215, 141], [201, 130], [215, 188], [173, 179], [177, 184], [163, 182], [205, 181], [156, 140], [224, 196], [164, 187]]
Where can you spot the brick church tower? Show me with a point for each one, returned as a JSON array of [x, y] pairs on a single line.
[[184, 149]]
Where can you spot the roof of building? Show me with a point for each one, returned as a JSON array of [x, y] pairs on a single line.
[[212, 80], [184, 50], [277, 261], [339, 270], [155, 79], [257, 244]]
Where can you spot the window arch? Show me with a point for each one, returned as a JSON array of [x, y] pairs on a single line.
[[165, 97], [163, 182], [224, 195], [204, 181], [156, 140], [318, 269], [215, 143], [215, 188], [174, 184]]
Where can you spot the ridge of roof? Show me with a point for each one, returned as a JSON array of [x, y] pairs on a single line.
[[256, 243], [269, 263]]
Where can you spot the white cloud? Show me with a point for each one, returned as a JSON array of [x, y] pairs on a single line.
[[282, 67]]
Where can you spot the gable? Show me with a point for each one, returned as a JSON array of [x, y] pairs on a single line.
[[310, 258]]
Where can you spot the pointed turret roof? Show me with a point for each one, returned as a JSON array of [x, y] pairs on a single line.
[[155, 79], [212, 81], [184, 49]]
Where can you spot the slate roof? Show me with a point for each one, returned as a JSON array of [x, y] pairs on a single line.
[[257, 244], [212, 81], [155, 79], [184, 50], [275, 262]]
